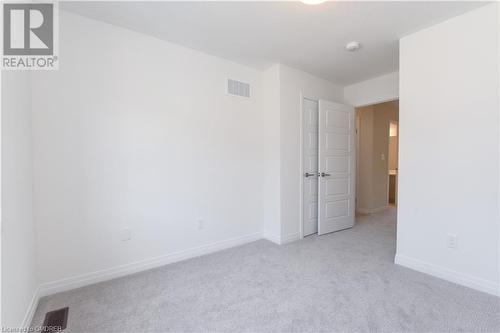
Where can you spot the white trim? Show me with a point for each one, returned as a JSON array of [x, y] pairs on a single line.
[[371, 210], [282, 240], [122, 270], [272, 238], [444, 273], [30, 312], [375, 101], [290, 238], [357, 124], [301, 167], [498, 44]]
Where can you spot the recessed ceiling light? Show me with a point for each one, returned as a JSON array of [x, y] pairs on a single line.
[[352, 46], [312, 2]]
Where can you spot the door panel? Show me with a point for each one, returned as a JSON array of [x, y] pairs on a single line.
[[336, 159], [337, 209], [338, 119], [337, 164], [336, 141], [335, 187], [310, 165]]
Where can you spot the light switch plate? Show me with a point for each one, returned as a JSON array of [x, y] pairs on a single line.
[[451, 241]]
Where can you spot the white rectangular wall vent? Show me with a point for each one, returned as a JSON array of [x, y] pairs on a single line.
[[238, 88]]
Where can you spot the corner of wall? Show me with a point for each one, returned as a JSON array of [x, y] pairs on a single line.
[[18, 215]]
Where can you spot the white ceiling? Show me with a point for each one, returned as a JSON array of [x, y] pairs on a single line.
[[257, 34]]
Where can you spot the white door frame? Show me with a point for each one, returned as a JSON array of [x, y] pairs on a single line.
[[375, 101], [357, 123]]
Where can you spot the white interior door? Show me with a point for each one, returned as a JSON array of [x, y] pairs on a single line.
[[336, 166], [310, 167]]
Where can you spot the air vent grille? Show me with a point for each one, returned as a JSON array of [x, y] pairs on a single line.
[[238, 88], [55, 321]]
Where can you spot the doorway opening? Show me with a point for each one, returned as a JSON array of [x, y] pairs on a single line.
[[377, 157]]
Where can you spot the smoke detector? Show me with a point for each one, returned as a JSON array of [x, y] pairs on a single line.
[[352, 46]]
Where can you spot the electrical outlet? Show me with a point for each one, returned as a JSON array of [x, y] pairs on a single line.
[[125, 234], [201, 224], [451, 241], [382, 157]]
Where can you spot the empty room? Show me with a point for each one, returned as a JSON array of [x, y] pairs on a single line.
[[250, 166]]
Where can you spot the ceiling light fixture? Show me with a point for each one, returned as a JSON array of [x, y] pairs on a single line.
[[312, 2], [352, 46]]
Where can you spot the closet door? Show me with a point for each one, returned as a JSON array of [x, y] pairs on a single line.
[[337, 167], [310, 167]]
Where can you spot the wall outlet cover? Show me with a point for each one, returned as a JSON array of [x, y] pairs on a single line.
[[126, 234], [201, 224]]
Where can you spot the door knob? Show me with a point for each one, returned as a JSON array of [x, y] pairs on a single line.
[[307, 174], [325, 174]]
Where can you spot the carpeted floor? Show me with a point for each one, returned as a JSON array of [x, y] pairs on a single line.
[[341, 282]]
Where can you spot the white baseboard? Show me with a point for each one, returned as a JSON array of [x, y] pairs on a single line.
[[444, 273], [272, 238], [281, 240], [122, 270], [290, 238], [371, 210], [30, 312]]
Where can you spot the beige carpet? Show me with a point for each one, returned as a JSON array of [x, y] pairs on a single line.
[[341, 282]]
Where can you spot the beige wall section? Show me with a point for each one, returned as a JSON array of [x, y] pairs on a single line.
[[393, 152], [372, 185], [364, 162]]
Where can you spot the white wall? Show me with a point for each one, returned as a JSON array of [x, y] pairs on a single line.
[[377, 90], [271, 123], [137, 132], [19, 281], [293, 85], [449, 149]]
